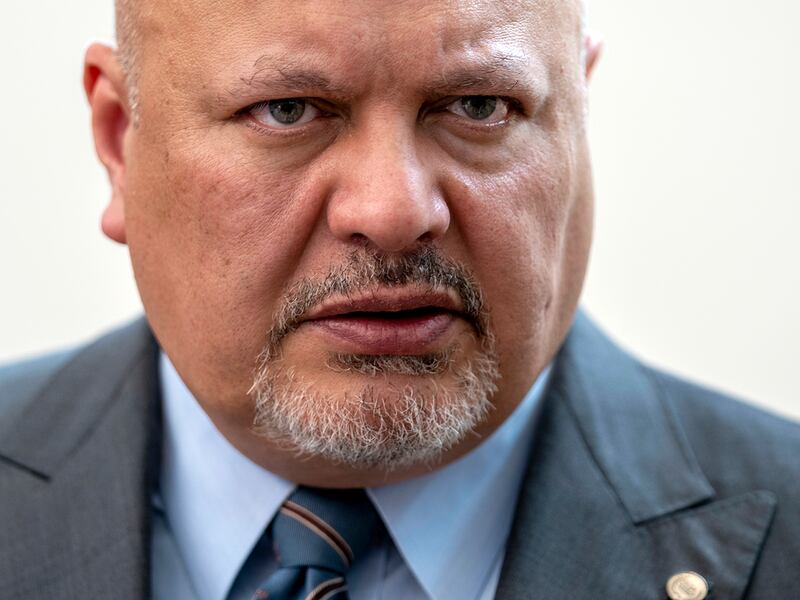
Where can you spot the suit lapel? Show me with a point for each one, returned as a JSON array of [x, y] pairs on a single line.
[[614, 502], [80, 461]]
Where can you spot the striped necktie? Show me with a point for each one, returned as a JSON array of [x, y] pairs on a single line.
[[317, 535]]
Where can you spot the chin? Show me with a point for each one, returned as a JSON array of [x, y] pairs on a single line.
[[384, 362], [383, 412]]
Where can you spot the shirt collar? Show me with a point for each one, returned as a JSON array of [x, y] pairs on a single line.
[[450, 526], [217, 502]]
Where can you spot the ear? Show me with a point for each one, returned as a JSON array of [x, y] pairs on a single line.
[[593, 47], [106, 90]]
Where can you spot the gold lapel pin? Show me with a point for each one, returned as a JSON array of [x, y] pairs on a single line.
[[687, 585]]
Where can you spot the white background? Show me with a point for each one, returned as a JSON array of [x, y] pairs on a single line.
[[694, 129]]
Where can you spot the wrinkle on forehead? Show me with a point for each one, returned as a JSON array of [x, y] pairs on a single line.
[[368, 40], [280, 73], [151, 16]]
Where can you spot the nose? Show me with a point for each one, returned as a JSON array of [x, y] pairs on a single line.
[[385, 193]]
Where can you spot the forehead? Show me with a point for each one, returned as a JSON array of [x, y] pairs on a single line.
[[365, 15], [362, 37]]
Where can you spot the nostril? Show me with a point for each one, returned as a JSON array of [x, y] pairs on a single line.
[[359, 239], [392, 219]]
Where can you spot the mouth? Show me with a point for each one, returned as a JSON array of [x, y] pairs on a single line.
[[394, 322]]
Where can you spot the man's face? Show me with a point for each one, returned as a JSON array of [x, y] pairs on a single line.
[[320, 189]]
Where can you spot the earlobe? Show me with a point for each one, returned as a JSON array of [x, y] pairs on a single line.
[[593, 47], [113, 220], [105, 86]]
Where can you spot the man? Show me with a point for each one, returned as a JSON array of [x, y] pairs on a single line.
[[360, 232]]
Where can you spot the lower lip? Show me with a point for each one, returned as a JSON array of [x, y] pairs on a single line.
[[412, 334]]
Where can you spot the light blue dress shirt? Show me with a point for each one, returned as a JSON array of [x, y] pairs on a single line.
[[447, 529]]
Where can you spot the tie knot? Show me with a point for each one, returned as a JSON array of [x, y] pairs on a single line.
[[324, 528]]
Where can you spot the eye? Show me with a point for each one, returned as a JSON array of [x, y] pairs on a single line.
[[485, 109], [283, 113]]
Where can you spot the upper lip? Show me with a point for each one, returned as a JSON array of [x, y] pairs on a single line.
[[385, 300]]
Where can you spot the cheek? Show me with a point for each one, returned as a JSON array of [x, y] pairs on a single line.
[[209, 241], [515, 224]]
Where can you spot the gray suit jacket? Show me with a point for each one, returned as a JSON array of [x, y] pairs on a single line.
[[634, 476]]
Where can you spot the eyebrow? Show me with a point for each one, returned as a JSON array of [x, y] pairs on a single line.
[[279, 74], [291, 78], [501, 73]]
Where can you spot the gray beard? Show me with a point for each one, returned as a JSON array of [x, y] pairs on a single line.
[[378, 426], [388, 429]]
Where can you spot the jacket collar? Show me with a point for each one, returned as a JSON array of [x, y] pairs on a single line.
[[614, 501], [627, 426], [81, 459], [77, 398]]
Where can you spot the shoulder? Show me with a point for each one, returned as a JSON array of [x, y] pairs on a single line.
[[729, 436], [734, 441], [23, 381], [741, 448]]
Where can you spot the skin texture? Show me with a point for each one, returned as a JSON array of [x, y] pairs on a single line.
[[222, 215]]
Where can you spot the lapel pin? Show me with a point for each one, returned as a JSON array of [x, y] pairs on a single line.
[[687, 585]]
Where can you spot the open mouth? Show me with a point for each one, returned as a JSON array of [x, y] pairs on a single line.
[[387, 325], [398, 316]]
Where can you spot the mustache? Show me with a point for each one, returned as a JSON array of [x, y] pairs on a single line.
[[426, 267]]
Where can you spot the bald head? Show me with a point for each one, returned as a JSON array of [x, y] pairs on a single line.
[[280, 150], [129, 38], [127, 14]]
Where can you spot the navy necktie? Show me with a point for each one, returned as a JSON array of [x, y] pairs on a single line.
[[317, 535]]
